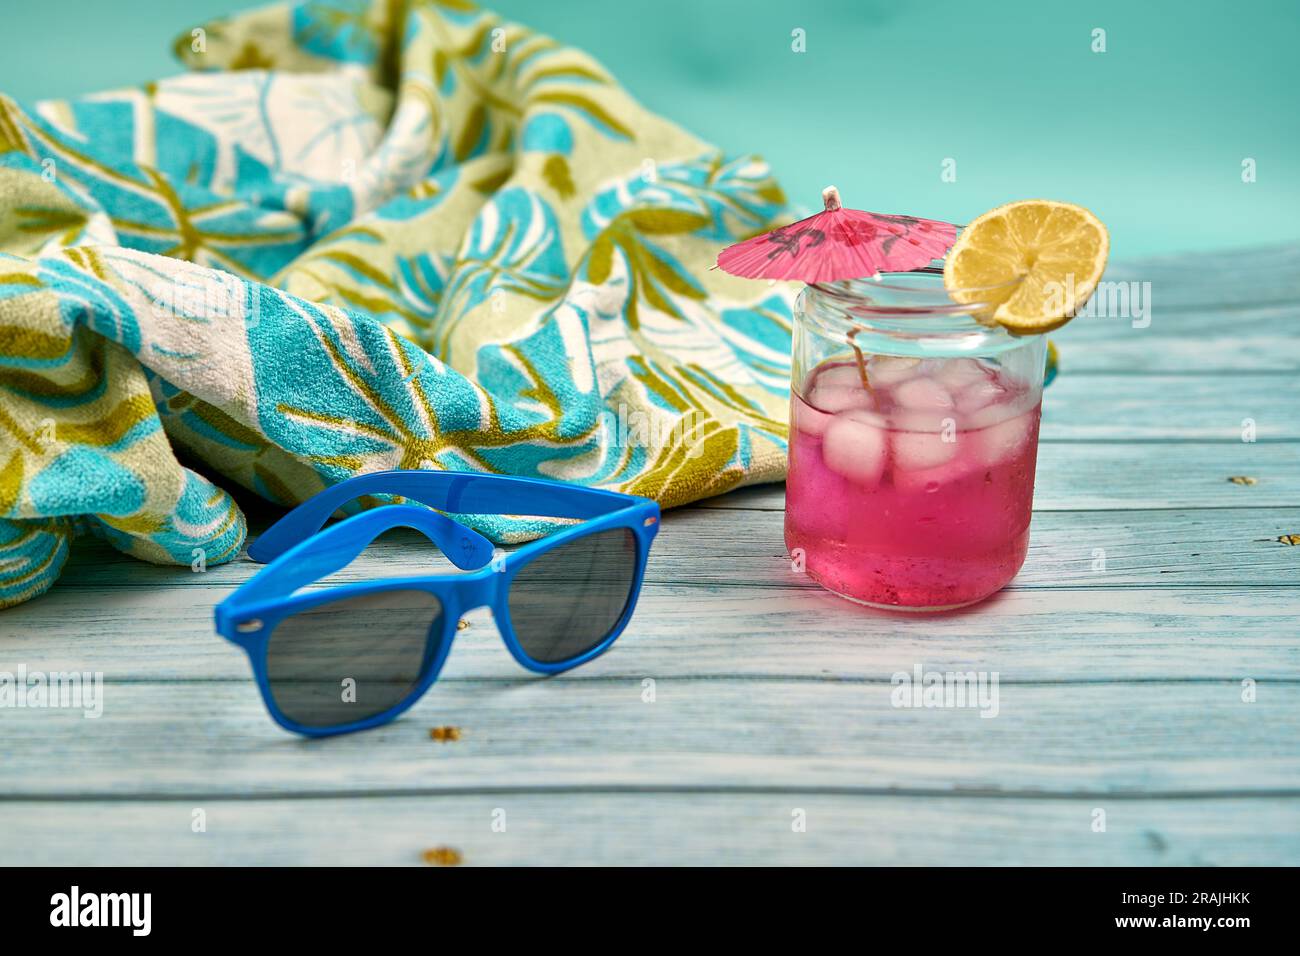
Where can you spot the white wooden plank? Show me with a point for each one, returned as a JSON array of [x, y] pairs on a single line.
[[715, 547], [657, 829], [1173, 294], [1234, 267], [1131, 475], [214, 739], [1245, 341], [1148, 549], [685, 630], [1108, 549], [1171, 407], [1229, 312], [1236, 280]]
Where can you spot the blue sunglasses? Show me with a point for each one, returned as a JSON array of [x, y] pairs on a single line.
[[345, 658]]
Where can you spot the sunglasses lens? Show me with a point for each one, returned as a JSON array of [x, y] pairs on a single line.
[[351, 659], [567, 600]]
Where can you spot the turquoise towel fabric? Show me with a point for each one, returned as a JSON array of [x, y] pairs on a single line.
[[362, 236]]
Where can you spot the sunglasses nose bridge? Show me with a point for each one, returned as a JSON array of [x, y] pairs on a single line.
[[480, 589]]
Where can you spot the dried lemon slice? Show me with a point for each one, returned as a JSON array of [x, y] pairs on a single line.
[[1056, 250]]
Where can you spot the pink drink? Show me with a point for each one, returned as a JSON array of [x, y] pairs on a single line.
[[915, 494]]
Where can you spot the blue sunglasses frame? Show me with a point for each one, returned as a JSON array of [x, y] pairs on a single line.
[[297, 555]]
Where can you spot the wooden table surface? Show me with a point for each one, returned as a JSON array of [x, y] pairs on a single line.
[[767, 734]]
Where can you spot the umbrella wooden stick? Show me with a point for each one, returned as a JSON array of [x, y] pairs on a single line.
[[862, 362]]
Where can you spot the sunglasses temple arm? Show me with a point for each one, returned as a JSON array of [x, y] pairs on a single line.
[[464, 547], [324, 559], [454, 492], [338, 546]]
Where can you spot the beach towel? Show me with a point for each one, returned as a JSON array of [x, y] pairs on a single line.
[[359, 236]]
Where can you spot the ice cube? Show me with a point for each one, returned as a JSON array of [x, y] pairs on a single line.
[[846, 375], [925, 422], [916, 451], [993, 414], [980, 395], [840, 398], [1000, 442], [887, 370], [923, 395], [809, 420], [959, 373], [854, 447]]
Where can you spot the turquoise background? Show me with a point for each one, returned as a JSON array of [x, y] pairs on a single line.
[[1150, 135]]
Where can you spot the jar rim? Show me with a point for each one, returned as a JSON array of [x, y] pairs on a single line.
[[909, 318], [853, 289]]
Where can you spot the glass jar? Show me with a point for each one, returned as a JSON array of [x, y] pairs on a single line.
[[913, 441]]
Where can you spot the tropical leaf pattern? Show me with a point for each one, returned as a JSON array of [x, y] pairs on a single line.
[[359, 235]]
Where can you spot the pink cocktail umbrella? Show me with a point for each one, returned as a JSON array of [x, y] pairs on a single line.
[[839, 243]]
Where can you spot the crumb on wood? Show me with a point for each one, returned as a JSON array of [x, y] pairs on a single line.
[[1242, 480], [444, 734], [443, 856]]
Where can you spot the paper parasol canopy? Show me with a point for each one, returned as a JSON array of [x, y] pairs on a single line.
[[839, 243]]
